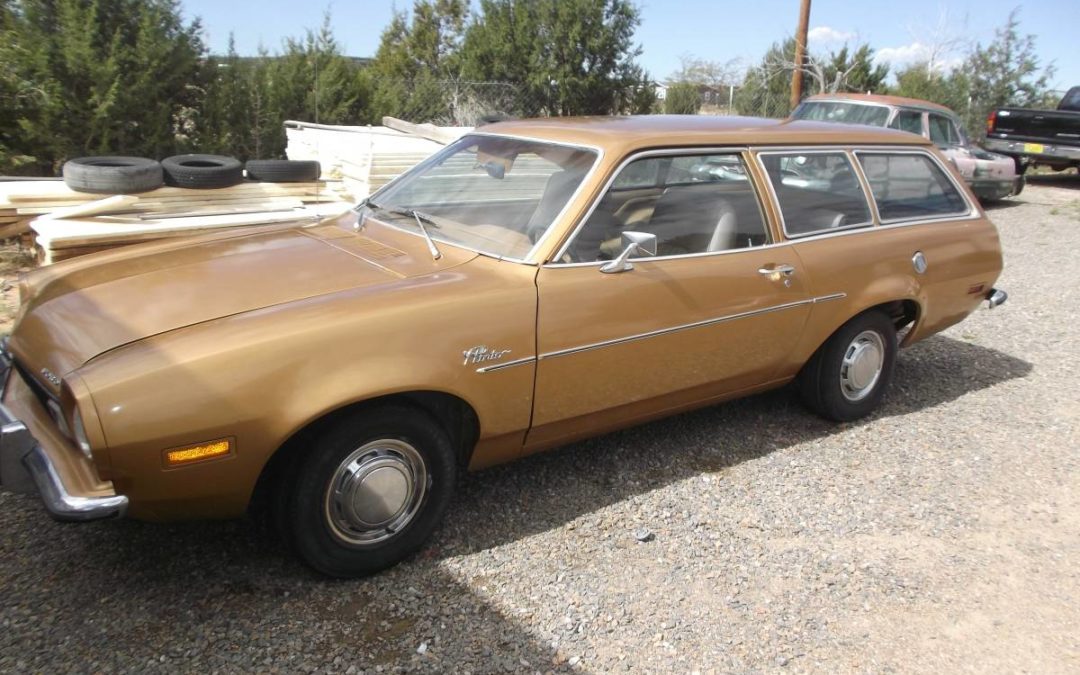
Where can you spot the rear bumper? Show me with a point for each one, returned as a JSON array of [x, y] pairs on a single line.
[[27, 465], [991, 189], [1038, 152]]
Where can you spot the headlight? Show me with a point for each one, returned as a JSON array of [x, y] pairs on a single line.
[[79, 432]]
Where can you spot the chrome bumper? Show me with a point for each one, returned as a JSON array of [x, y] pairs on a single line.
[[26, 466], [996, 297], [1048, 152]]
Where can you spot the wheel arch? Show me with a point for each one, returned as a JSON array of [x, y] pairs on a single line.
[[453, 413], [903, 312]]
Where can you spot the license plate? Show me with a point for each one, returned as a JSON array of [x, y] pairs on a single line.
[[1034, 148]]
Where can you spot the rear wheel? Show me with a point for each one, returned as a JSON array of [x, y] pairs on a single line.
[[848, 376], [371, 492]]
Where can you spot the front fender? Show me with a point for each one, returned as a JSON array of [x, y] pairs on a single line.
[[262, 376]]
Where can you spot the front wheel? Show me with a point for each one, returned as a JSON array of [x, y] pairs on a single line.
[[848, 376], [372, 490]]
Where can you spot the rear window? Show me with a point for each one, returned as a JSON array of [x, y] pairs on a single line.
[[910, 185], [817, 191], [842, 111]]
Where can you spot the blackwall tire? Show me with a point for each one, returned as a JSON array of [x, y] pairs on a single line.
[[115, 175], [202, 171], [370, 492], [848, 376], [283, 170]]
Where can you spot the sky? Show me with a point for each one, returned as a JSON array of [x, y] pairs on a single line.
[[715, 30]]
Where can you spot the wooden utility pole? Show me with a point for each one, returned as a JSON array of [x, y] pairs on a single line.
[[800, 53]]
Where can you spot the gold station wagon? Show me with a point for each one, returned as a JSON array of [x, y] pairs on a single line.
[[535, 282]]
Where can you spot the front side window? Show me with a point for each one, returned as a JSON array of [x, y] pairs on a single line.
[[910, 185], [697, 204], [908, 120], [817, 191], [942, 130], [491, 194]]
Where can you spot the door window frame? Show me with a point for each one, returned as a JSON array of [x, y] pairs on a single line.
[[864, 185], [742, 152]]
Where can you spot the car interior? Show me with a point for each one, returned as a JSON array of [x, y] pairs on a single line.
[[693, 204], [816, 191]]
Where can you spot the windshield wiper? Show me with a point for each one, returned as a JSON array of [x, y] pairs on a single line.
[[420, 219]]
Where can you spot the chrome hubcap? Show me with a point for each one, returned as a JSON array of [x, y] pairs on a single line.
[[861, 366], [376, 491]]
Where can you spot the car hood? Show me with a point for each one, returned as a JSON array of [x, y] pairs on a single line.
[[81, 309]]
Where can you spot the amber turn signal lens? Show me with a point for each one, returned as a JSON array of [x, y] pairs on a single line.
[[198, 453]]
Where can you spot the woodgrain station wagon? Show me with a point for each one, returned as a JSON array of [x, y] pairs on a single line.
[[536, 282]]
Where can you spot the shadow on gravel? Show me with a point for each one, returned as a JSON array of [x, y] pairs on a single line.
[[545, 491], [1001, 204], [1070, 180], [219, 596]]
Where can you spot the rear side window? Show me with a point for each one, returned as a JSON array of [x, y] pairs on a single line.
[[817, 191], [642, 174], [910, 185]]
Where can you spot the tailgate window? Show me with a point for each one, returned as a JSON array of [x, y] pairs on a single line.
[[910, 185]]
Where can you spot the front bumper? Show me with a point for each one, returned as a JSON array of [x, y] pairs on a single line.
[[26, 465]]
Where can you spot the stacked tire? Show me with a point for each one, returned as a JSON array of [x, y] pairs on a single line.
[[115, 175], [283, 170], [120, 175], [202, 172]]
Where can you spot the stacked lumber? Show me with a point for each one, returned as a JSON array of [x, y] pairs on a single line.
[[355, 162], [364, 159], [66, 223]]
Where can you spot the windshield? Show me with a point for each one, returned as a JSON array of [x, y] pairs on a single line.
[[843, 111], [491, 194]]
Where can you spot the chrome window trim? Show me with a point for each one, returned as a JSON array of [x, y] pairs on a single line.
[[641, 154], [971, 212], [687, 326], [832, 150], [528, 259]]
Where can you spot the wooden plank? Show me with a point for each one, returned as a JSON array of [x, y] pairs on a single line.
[[19, 227], [104, 230], [58, 193], [428, 131], [97, 206]]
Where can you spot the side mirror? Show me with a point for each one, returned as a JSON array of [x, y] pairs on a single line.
[[641, 243]]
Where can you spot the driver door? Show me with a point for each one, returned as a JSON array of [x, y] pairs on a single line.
[[711, 314]]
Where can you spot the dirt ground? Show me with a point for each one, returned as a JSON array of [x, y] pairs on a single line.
[[14, 259], [940, 535]]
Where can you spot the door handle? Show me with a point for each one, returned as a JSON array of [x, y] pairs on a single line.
[[786, 270]]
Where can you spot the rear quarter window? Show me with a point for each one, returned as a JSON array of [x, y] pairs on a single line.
[[910, 186]]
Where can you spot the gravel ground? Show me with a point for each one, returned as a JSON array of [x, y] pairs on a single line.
[[942, 535]]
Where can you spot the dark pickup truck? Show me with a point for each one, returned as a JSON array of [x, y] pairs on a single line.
[[1050, 137]]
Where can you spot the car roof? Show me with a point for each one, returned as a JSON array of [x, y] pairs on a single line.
[[650, 131], [901, 101]]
